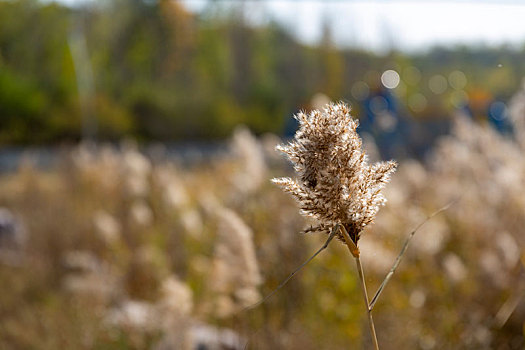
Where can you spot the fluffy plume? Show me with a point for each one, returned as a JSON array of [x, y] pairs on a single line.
[[335, 183], [252, 165], [235, 275]]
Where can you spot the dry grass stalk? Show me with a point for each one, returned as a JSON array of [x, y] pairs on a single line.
[[355, 252], [283, 283], [336, 185], [401, 253]]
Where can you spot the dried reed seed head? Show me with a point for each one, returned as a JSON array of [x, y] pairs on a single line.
[[235, 274], [335, 183]]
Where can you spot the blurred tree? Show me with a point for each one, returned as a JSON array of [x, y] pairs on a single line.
[[161, 72], [332, 72]]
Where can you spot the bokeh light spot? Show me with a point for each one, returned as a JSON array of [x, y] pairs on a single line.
[[386, 122], [459, 98], [360, 90], [390, 79], [319, 100], [457, 80], [417, 102], [437, 84], [498, 110]]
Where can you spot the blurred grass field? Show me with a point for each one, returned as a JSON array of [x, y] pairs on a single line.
[[110, 249], [113, 238]]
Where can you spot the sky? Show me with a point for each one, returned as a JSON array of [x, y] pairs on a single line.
[[383, 24], [408, 25]]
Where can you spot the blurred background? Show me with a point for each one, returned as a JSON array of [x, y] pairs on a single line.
[[137, 142]]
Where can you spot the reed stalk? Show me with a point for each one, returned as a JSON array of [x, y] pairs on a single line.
[[354, 250]]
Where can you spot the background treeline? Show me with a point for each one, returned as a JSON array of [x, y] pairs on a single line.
[[153, 70]]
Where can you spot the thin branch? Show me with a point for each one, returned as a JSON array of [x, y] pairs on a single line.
[[325, 245], [403, 250]]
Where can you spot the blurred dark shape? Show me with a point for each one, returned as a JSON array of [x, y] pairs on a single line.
[[499, 118], [210, 338], [290, 126], [383, 120], [482, 106], [204, 337], [12, 231], [466, 110], [424, 134]]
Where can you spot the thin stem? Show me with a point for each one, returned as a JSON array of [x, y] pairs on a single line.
[[509, 306], [354, 250], [368, 310], [325, 245], [403, 250]]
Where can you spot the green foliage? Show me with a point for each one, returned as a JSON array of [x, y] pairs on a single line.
[[161, 72]]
